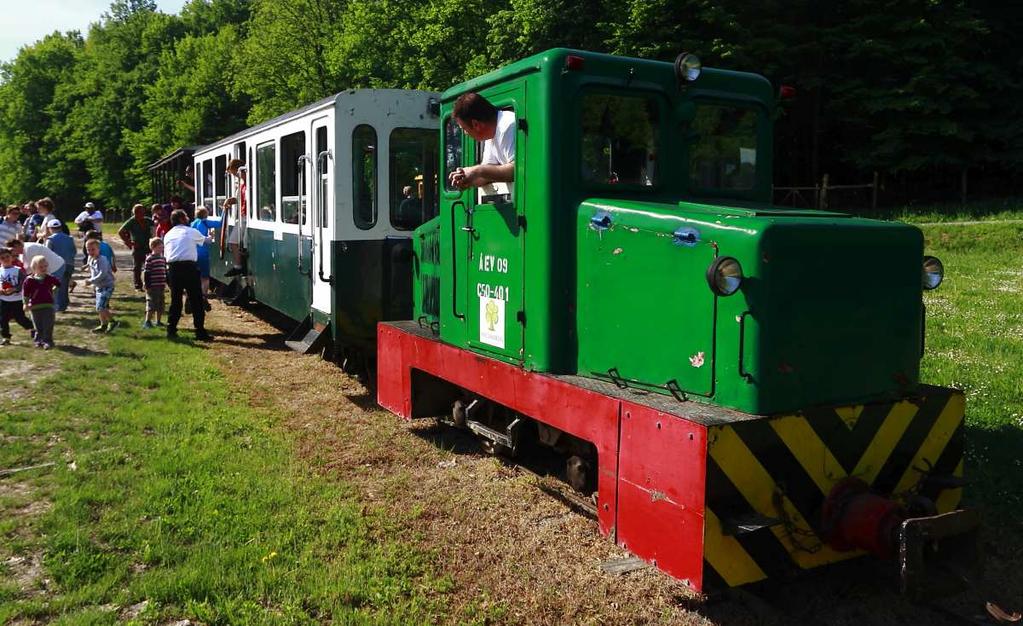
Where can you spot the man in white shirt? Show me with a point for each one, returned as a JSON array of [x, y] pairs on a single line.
[[484, 122], [181, 248], [89, 219]]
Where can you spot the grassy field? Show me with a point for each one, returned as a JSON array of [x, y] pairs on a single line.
[[168, 498], [169, 490], [975, 342]]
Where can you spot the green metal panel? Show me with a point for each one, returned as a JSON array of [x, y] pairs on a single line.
[[261, 265], [645, 312], [274, 275], [294, 286], [426, 270]]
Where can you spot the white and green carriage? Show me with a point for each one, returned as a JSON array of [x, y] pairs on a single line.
[[333, 192]]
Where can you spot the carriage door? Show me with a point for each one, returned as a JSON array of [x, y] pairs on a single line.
[[320, 215], [494, 232]]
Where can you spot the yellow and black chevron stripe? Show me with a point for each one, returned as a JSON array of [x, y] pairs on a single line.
[[780, 469]]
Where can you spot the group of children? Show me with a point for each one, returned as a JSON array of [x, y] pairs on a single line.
[[30, 291]]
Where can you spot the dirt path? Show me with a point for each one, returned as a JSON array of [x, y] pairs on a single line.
[[508, 547]]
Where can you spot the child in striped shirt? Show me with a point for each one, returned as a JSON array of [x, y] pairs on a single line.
[[154, 278]]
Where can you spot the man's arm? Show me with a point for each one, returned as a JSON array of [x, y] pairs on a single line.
[[125, 235], [483, 174]]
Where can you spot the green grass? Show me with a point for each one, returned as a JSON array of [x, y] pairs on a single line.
[[987, 210], [975, 342], [169, 489]]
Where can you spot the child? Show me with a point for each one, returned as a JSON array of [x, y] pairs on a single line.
[[154, 278], [101, 276], [104, 248], [12, 279], [38, 291]]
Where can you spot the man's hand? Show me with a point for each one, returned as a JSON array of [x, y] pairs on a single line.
[[465, 177], [479, 175]]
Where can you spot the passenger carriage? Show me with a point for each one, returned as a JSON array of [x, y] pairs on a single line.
[[328, 228]]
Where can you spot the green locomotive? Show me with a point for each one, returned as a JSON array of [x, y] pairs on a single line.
[[739, 382]]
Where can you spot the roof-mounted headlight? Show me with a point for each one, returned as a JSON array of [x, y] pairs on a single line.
[[724, 276], [933, 272], [687, 68]]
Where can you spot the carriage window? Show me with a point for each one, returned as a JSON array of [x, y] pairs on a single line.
[[723, 153], [207, 184], [219, 183], [619, 139], [452, 150], [413, 183], [293, 192], [266, 182], [364, 176], [324, 163]]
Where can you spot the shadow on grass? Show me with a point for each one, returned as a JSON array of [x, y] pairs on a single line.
[[78, 350]]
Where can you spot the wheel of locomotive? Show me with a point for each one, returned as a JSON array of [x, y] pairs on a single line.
[[579, 473], [493, 448]]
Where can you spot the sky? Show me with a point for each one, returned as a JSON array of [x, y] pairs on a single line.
[[26, 21]]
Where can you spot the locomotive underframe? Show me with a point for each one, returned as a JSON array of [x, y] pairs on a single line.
[[711, 496]]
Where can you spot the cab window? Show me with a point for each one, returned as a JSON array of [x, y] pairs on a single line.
[[413, 176], [619, 139], [364, 176], [452, 151], [723, 148]]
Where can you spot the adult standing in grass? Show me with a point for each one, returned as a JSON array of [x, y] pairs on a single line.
[[136, 233], [181, 246], [64, 246], [10, 227]]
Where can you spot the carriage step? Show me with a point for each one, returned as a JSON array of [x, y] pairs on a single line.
[[305, 339]]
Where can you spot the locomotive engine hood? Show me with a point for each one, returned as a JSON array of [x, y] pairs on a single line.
[[829, 308]]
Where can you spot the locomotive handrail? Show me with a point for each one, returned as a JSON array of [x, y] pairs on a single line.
[[742, 345], [301, 189], [454, 266], [320, 208]]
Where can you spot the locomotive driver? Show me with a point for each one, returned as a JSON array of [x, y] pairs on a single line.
[[484, 122]]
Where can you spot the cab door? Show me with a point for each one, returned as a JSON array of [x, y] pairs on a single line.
[[494, 239]]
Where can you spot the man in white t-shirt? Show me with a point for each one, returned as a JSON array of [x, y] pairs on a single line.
[[90, 218], [484, 122]]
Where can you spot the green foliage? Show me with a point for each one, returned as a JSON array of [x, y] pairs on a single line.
[[924, 91]]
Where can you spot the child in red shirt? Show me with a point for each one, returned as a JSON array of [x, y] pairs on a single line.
[[38, 294]]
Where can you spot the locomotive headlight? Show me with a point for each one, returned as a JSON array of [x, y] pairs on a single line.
[[687, 68], [933, 272], [724, 276]]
